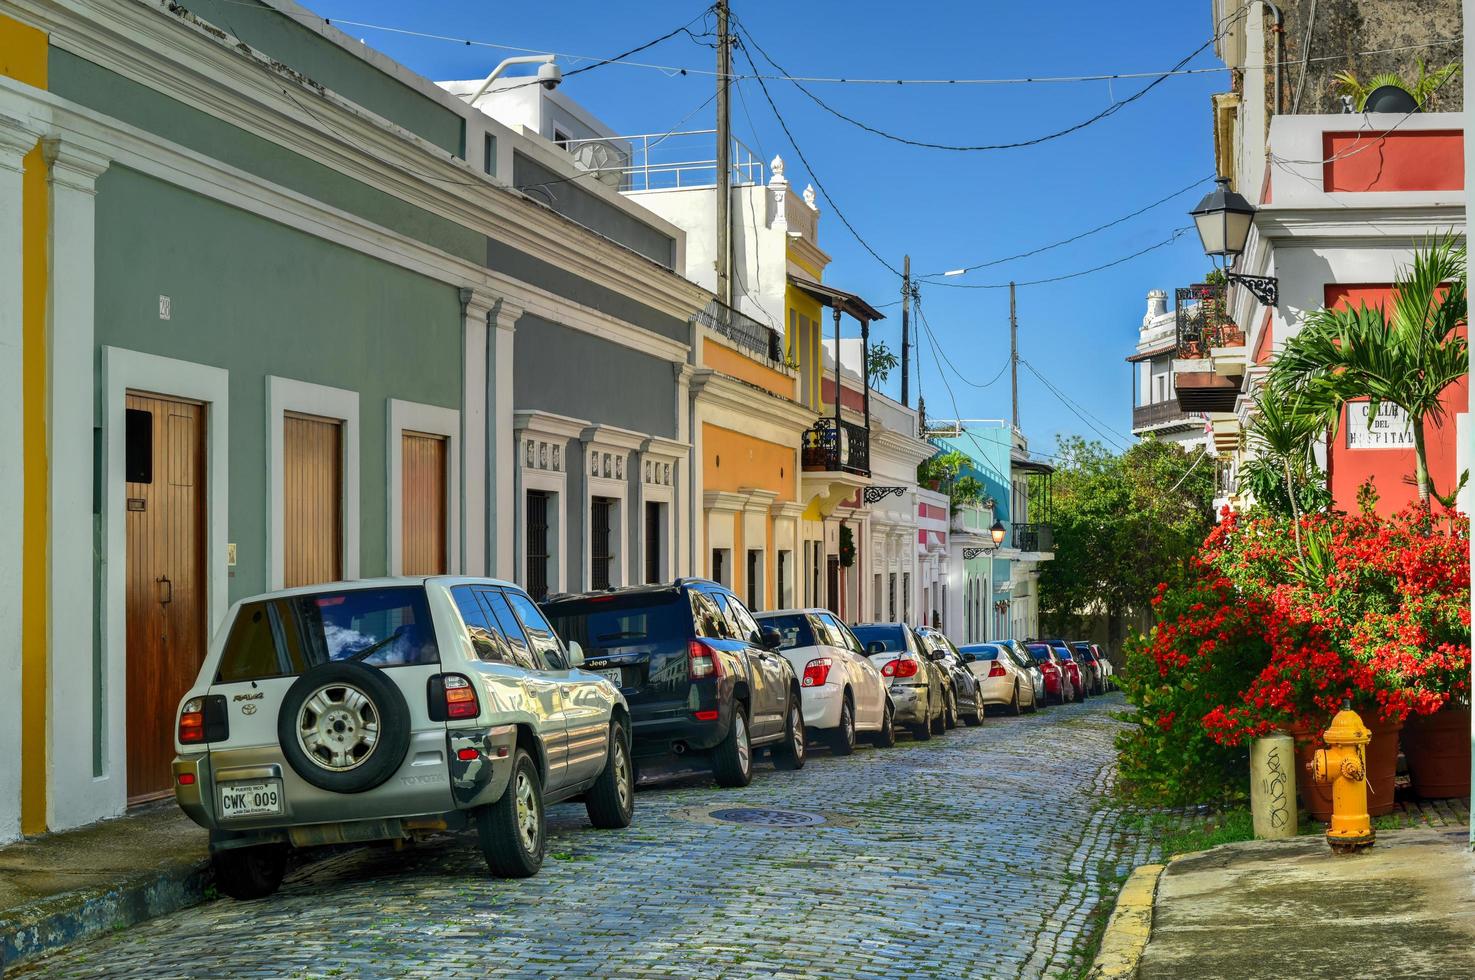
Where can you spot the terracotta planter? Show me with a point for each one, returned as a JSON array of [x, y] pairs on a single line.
[[1437, 748], [1382, 766]]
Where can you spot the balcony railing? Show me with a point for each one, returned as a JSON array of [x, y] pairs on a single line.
[[663, 161], [1145, 416], [1034, 537], [763, 341], [1202, 323], [830, 450]]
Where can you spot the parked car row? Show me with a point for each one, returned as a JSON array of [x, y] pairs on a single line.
[[388, 709]]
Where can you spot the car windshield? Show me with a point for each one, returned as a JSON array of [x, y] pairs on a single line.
[[386, 627], [1084, 651], [1064, 654], [601, 622], [891, 636], [982, 652], [1039, 651], [793, 628]]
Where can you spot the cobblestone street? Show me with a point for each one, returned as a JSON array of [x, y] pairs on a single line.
[[979, 854]]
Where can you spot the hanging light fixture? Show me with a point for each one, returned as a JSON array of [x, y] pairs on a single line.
[[997, 532], [1223, 219]]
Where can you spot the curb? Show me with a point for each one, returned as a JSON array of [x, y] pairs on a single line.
[[30, 931], [1127, 932]]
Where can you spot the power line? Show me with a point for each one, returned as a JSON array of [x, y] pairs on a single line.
[[1095, 424], [1177, 234], [679, 70], [928, 327], [1066, 241], [1110, 110], [813, 175]]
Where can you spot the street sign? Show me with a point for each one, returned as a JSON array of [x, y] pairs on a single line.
[[1390, 430]]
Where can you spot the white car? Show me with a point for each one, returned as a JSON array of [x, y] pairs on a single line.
[[1001, 680], [842, 691], [1108, 672], [1021, 657]]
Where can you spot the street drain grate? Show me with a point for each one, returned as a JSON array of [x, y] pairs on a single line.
[[761, 817]]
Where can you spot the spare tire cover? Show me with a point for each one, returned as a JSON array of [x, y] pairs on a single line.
[[344, 727]]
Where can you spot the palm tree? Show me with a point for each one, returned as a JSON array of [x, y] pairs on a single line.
[[1282, 434], [1421, 88], [1405, 356]]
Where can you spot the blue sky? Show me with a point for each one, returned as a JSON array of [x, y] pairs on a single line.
[[947, 209]]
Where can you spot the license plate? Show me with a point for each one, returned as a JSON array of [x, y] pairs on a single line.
[[251, 799], [614, 675]]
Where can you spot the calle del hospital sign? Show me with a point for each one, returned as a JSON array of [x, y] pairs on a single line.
[[1389, 429]]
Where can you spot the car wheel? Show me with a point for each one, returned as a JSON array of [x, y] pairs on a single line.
[[950, 712], [842, 737], [886, 737], [249, 872], [790, 753], [939, 721], [1034, 701], [732, 762], [975, 719], [1015, 708], [512, 832], [611, 800], [344, 727]]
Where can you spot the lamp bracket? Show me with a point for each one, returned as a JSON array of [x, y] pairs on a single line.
[[971, 553], [1266, 289], [874, 495]]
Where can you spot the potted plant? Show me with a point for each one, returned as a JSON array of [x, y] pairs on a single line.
[[1421, 90]]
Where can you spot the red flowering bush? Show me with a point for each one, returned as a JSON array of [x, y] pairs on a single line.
[[1267, 635]]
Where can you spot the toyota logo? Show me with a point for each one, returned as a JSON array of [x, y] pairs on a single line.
[[248, 708]]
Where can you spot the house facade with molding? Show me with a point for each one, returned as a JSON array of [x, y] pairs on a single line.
[[283, 316]]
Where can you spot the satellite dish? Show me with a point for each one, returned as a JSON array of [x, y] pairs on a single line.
[[604, 160], [1390, 98]]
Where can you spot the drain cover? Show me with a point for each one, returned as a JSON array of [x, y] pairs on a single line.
[[761, 817]]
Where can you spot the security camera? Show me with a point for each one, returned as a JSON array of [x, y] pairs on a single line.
[[549, 75]]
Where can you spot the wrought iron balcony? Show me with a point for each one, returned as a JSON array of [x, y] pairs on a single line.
[[1034, 537], [827, 449], [1202, 323], [763, 341], [1162, 413]]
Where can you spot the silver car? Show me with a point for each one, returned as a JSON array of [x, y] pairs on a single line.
[[389, 709], [916, 685]]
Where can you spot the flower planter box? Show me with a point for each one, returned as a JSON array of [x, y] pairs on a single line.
[[1437, 748]]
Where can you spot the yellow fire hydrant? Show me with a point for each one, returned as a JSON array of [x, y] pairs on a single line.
[[1343, 763]]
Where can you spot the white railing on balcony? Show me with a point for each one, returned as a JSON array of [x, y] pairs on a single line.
[[663, 161]]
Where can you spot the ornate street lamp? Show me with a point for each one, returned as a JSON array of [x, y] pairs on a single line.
[[997, 532], [1223, 219]]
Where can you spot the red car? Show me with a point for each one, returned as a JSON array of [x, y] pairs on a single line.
[[1059, 682]]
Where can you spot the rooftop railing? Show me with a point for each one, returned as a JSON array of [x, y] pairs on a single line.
[[664, 161]]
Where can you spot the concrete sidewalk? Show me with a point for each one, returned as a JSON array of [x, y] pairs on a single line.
[[66, 887], [1292, 908]]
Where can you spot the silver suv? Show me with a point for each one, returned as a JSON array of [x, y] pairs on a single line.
[[389, 709]]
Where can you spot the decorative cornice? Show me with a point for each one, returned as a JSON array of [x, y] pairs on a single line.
[[547, 424], [217, 74], [721, 391], [72, 165], [666, 448], [723, 501], [759, 501], [610, 437]]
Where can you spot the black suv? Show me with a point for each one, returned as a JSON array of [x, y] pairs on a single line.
[[698, 673]]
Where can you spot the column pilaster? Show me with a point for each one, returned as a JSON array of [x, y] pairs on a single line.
[[501, 446]]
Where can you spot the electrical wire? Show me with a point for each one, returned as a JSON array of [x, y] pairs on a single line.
[[922, 318], [1095, 424], [1065, 241], [1177, 234], [1109, 111], [313, 20], [814, 176]]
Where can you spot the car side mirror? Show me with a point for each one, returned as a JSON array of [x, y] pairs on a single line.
[[874, 647], [575, 654], [770, 638]]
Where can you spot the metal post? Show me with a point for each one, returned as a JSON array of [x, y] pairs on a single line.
[[1013, 356], [906, 314], [865, 373], [837, 378], [724, 150]]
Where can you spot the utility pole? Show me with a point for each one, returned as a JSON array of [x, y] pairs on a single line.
[[1013, 356], [724, 162], [906, 314]]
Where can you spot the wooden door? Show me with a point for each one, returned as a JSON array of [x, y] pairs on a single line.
[[312, 497], [166, 602], [423, 504]]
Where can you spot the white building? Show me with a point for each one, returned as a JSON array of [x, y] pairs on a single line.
[[1155, 408]]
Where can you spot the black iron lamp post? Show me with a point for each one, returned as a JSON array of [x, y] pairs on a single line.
[[1223, 218]]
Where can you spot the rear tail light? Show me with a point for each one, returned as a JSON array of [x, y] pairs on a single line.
[[996, 669], [702, 661], [203, 720], [816, 672], [452, 698], [900, 668], [708, 714]]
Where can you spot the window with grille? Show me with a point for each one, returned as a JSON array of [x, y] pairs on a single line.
[[654, 518], [781, 575], [600, 552], [535, 547], [891, 598], [755, 579]]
